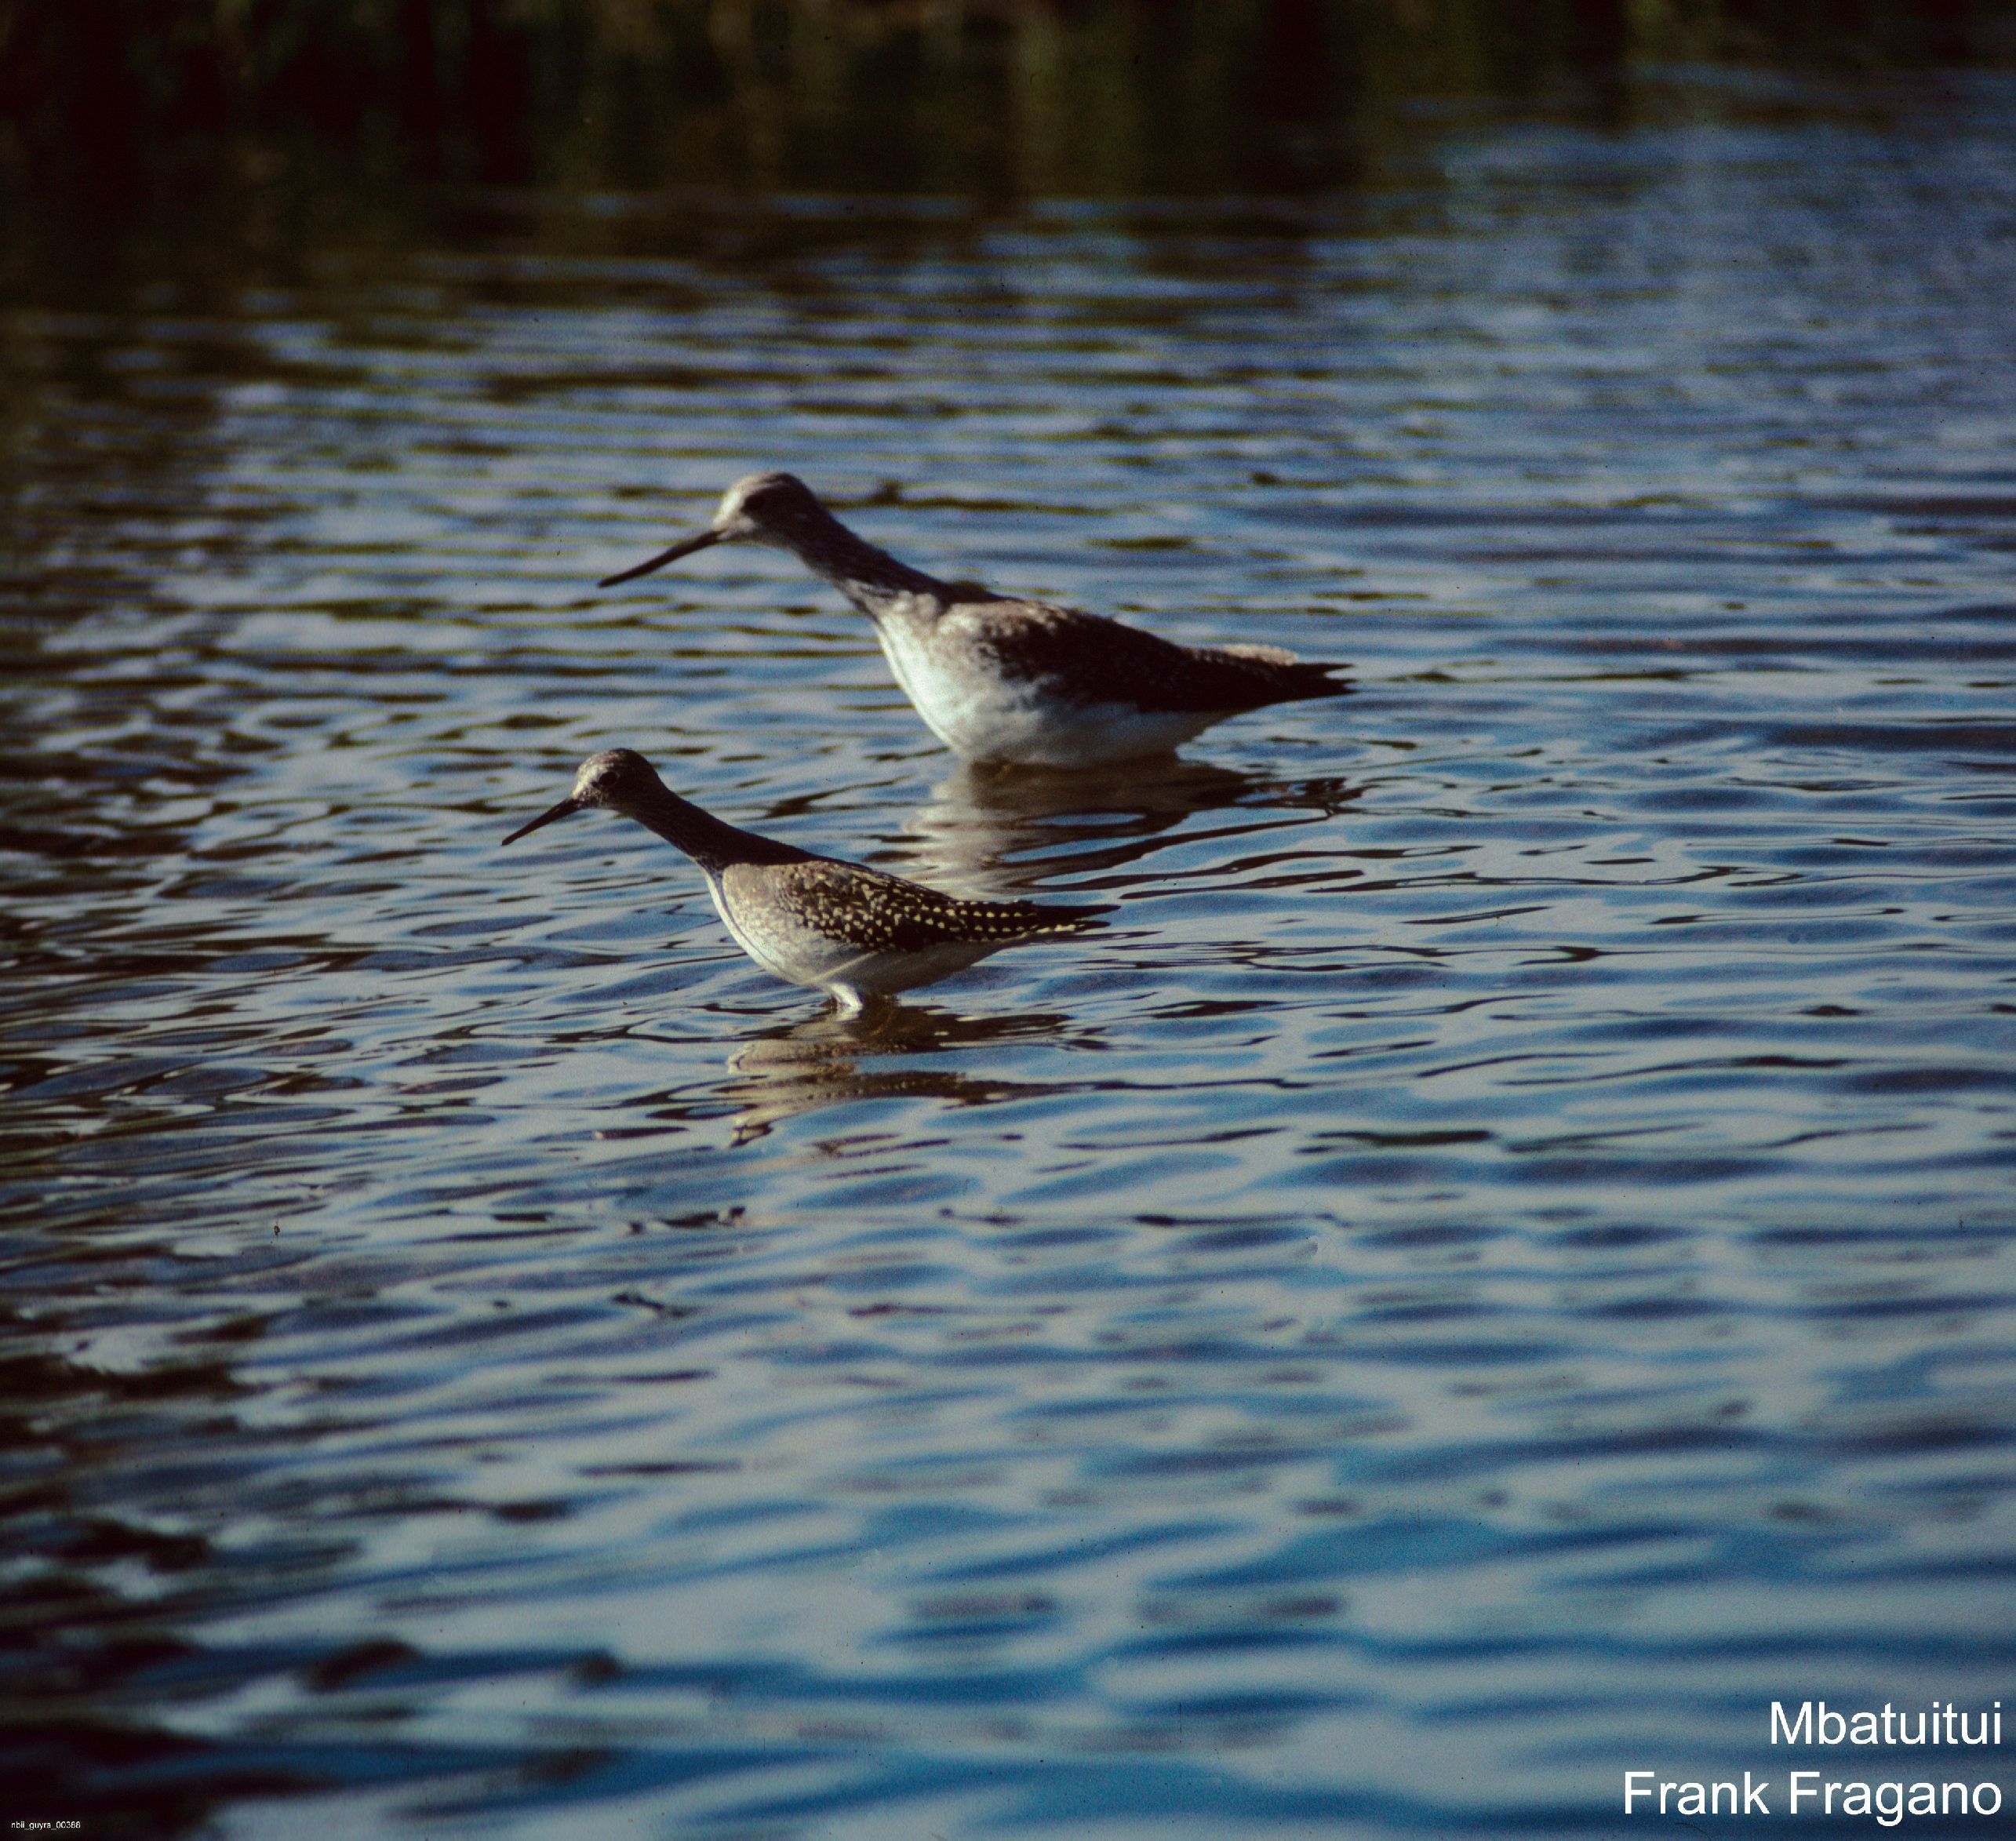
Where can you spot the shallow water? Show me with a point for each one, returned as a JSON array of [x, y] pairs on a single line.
[[1495, 1268]]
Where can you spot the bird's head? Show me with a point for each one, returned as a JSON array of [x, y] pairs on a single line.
[[775, 508], [618, 780]]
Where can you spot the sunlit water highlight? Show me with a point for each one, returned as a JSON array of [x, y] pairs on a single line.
[[1496, 1267]]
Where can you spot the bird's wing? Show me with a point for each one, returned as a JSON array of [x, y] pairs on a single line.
[[1088, 659], [883, 913]]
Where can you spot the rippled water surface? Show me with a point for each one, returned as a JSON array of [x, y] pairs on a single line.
[[1496, 1267]]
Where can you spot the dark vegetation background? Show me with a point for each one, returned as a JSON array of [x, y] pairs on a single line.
[[107, 107], [184, 151]]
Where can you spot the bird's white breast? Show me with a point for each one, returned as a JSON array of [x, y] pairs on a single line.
[[777, 941], [983, 714], [789, 949]]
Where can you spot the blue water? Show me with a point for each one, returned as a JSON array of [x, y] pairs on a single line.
[[1495, 1268]]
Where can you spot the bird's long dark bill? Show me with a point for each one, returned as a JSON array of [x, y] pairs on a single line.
[[565, 809], [685, 547]]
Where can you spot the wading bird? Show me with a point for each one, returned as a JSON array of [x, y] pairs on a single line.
[[999, 680], [854, 931]]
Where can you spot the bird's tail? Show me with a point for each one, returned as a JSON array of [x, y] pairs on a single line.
[[1052, 918], [1285, 678]]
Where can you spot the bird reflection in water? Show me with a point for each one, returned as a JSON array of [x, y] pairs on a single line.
[[830, 1060], [1003, 830]]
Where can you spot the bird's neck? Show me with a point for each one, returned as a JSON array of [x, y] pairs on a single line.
[[872, 578], [711, 843]]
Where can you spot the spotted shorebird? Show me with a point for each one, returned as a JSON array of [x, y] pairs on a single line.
[[847, 928], [1002, 680]]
